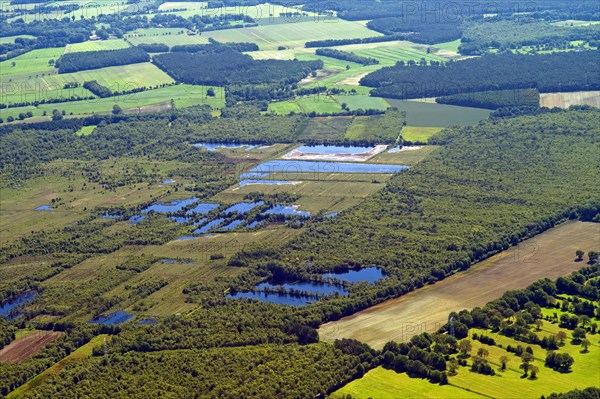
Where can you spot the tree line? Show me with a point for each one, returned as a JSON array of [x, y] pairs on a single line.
[[567, 71]]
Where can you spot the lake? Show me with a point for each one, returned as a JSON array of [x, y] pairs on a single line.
[[44, 208], [295, 169]]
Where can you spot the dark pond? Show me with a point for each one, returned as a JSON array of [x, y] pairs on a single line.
[[17, 303], [113, 318], [368, 274]]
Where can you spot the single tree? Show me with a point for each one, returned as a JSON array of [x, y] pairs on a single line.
[[593, 256], [534, 370], [561, 335], [116, 109], [503, 361], [465, 347], [526, 358], [578, 334], [483, 353], [585, 343]]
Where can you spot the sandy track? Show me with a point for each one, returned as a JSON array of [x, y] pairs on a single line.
[[550, 254]]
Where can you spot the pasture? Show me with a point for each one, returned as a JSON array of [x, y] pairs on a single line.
[[387, 384], [270, 37], [169, 36], [382, 383], [419, 134], [97, 45], [11, 39], [27, 88], [157, 99], [32, 62], [388, 53], [565, 100], [549, 254], [325, 104], [427, 114]]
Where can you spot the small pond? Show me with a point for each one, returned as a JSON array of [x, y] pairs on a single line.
[[294, 169], [114, 318], [209, 226], [17, 303], [243, 207], [368, 274], [174, 206], [286, 210], [202, 208]]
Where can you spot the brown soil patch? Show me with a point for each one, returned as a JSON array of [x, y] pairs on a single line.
[[22, 349]]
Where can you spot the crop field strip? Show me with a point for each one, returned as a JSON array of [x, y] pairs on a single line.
[[157, 99], [550, 254], [273, 36]]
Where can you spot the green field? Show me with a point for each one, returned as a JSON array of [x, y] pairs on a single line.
[[419, 133], [265, 13], [34, 61], [86, 130], [428, 114], [324, 104], [97, 45], [190, 5], [380, 383], [388, 53], [149, 100], [169, 36], [11, 39], [25, 87], [270, 37]]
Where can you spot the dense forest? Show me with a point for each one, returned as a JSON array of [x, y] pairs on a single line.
[[221, 65], [419, 30], [494, 99], [73, 62], [509, 34], [567, 71]]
